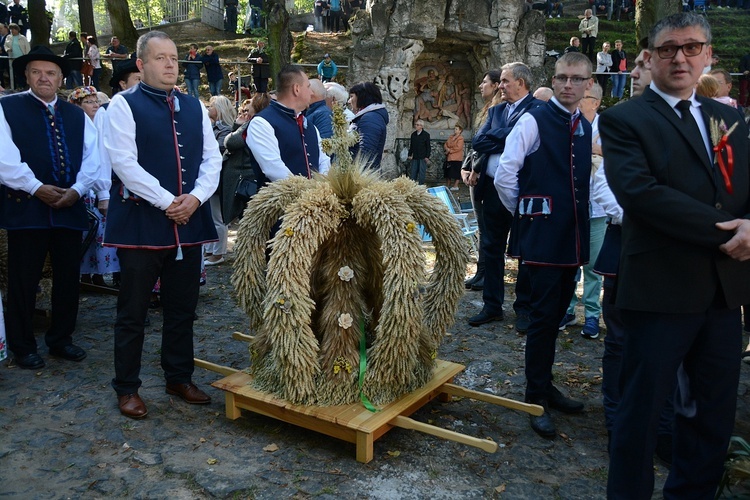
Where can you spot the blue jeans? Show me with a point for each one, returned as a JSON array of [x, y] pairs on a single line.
[[192, 87], [215, 87], [418, 171], [73, 80], [618, 85], [592, 282], [95, 78]]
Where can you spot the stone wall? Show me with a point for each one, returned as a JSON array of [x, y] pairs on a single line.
[[411, 48]]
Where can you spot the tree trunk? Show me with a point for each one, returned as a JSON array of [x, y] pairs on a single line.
[[279, 37], [122, 24], [38, 22], [86, 16], [647, 12]]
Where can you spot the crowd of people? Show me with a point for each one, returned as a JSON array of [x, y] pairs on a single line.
[[642, 196]]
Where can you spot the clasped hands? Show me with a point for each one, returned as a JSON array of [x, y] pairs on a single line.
[[738, 247], [469, 177], [182, 208], [57, 197]]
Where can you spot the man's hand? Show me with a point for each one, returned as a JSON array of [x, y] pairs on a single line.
[[182, 208], [49, 194], [473, 178], [103, 206], [738, 247], [69, 197]]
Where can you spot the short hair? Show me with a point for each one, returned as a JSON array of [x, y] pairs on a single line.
[[458, 125], [142, 43], [721, 71], [618, 41], [678, 21], [287, 77], [574, 59], [596, 91], [72, 33], [318, 88], [367, 93], [260, 101], [707, 86], [194, 46], [225, 111], [337, 91], [573, 39], [419, 122], [14, 26], [520, 72]]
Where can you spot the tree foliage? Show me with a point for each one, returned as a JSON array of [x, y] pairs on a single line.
[[122, 23], [647, 12]]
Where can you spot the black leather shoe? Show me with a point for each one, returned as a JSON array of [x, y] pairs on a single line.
[[478, 285], [522, 322], [31, 361], [469, 282], [543, 425], [484, 317], [70, 352], [563, 404]]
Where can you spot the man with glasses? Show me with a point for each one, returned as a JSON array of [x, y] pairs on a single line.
[[683, 272], [543, 179]]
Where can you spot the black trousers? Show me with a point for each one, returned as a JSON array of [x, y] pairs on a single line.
[[551, 291], [139, 270], [494, 228], [703, 348], [588, 47], [27, 251]]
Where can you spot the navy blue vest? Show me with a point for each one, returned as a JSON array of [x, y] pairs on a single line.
[[170, 147], [53, 161], [299, 152], [551, 221]]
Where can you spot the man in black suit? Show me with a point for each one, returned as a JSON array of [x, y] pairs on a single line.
[[515, 82], [261, 69], [683, 271]]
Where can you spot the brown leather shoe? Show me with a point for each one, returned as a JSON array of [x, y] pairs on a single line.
[[190, 393], [131, 405]]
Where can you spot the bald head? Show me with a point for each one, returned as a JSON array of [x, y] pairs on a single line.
[[318, 90], [543, 93]]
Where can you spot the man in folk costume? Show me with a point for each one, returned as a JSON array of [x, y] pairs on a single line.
[[50, 160], [167, 163], [280, 138]]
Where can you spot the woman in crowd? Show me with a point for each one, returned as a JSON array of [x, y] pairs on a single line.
[[98, 259], [619, 64], [707, 86], [214, 73], [222, 115], [454, 152], [370, 121], [192, 70], [92, 52], [16, 45], [603, 65], [237, 158]]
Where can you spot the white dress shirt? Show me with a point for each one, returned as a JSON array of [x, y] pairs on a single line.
[[695, 110], [104, 181], [601, 194], [119, 140], [262, 141], [17, 174]]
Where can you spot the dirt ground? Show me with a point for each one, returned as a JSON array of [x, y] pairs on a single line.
[[61, 435]]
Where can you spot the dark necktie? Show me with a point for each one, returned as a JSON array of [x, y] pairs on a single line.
[[690, 124]]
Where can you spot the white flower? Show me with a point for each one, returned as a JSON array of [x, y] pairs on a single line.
[[346, 273], [346, 321]]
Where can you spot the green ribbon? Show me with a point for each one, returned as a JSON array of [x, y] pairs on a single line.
[[363, 365]]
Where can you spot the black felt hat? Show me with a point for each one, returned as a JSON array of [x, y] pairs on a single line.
[[40, 53], [123, 70]]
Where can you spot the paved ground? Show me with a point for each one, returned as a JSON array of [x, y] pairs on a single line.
[[61, 435]]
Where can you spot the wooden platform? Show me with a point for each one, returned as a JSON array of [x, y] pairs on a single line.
[[352, 423]]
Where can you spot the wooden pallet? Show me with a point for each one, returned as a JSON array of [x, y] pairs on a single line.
[[354, 423]]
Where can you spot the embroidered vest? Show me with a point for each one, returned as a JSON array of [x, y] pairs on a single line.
[[551, 222], [52, 147], [169, 139]]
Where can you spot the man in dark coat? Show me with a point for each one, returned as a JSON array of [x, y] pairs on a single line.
[[261, 69], [683, 271], [74, 54]]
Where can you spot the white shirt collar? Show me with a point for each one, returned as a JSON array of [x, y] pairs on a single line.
[[54, 101], [672, 100]]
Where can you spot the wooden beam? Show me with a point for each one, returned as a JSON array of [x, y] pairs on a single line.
[[456, 390], [224, 370], [408, 423], [242, 337]]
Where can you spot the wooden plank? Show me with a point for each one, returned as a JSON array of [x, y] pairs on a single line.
[[233, 413], [408, 423], [224, 370], [491, 398]]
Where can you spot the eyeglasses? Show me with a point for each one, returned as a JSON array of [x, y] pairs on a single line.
[[89, 102], [574, 80], [691, 49]]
